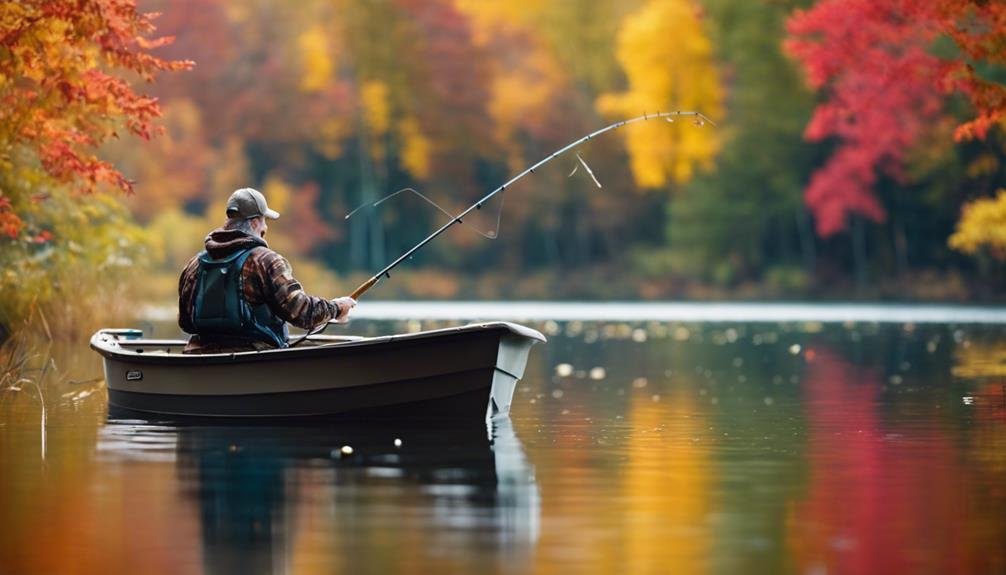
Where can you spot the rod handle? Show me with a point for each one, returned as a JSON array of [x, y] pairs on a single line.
[[364, 287]]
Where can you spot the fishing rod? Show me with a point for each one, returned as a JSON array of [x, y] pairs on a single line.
[[698, 118]]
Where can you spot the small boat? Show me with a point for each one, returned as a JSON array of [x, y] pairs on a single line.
[[464, 372]]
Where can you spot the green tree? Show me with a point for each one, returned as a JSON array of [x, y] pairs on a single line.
[[733, 223]]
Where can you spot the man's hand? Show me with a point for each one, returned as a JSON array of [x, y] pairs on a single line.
[[346, 305]]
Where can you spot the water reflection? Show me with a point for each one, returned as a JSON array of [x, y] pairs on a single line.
[[656, 447], [288, 498], [876, 485]]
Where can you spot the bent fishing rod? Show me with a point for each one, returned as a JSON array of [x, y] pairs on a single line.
[[385, 273], [698, 118]]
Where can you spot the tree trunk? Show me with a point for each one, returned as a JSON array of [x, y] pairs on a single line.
[[859, 255]]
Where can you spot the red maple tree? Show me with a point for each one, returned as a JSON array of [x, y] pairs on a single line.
[[885, 87], [64, 66]]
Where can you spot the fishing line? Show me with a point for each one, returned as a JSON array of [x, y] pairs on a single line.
[[490, 235]]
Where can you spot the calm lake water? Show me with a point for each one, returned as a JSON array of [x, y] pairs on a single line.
[[658, 445]]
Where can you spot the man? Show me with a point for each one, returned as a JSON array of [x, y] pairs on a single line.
[[238, 295]]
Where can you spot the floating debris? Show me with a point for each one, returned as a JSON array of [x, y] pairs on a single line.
[[398, 442], [794, 349], [895, 379], [639, 382], [598, 373], [768, 401], [639, 335], [557, 394], [564, 370], [968, 400], [345, 451]]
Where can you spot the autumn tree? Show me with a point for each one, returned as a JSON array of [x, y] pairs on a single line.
[[64, 90], [668, 61], [885, 84], [983, 227], [67, 70]]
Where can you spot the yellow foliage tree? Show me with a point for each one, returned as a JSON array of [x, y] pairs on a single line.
[[982, 225], [415, 148], [376, 116], [668, 61], [528, 81], [316, 59]]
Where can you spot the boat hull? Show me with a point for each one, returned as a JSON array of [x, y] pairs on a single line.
[[464, 372]]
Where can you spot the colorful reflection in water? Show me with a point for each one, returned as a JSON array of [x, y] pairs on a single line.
[[637, 448]]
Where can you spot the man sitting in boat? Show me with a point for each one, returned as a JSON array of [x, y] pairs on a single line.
[[239, 295]]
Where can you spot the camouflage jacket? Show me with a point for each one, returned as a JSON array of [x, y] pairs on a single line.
[[267, 278]]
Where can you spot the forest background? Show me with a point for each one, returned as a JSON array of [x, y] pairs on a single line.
[[858, 152]]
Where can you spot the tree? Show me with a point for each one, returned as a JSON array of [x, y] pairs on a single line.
[[982, 227], [668, 60], [733, 223], [885, 86], [60, 97]]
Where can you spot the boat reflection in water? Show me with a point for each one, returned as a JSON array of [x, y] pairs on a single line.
[[290, 497]]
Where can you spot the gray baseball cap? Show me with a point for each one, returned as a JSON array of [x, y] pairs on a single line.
[[247, 203]]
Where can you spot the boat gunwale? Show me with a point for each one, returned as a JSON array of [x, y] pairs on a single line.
[[117, 353]]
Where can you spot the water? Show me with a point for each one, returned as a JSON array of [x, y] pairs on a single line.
[[635, 446]]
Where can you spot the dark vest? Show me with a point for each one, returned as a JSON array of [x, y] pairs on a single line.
[[221, 308]]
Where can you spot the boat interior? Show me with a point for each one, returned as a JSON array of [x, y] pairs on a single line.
[[133, 340]]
